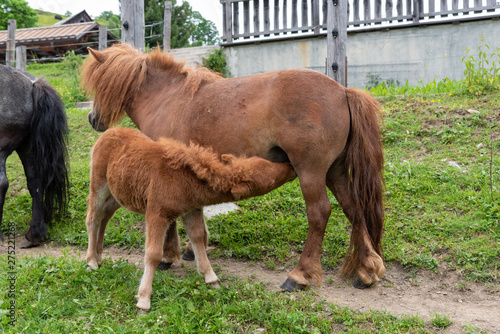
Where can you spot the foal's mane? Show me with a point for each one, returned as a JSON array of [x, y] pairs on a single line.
[[221, 174], [121, 70]]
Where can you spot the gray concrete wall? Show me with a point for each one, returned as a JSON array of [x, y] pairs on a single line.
[[417, 54]]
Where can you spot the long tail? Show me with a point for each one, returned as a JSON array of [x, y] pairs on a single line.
[[364, 161], [49, 132]]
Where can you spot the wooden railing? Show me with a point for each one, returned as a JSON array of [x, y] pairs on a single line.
[[263, 19]]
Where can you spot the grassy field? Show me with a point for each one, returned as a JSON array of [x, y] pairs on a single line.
[[442, 169]]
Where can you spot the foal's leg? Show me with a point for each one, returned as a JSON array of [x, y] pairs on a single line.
[[198, 237], [318, 208], [4, 185], [38, 226], [365, 256], [156, 227], [101, 207], [197, 217], [171, 248]]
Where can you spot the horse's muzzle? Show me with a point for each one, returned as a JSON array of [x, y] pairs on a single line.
[[94, 121]]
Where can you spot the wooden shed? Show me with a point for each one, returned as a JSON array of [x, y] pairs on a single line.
[[75, 33]]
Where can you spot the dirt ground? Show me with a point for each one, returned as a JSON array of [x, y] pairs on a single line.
[[401, 292]]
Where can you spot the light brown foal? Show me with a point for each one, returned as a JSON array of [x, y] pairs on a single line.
[[165, 180]]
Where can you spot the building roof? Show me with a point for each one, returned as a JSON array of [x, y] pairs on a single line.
[[61, 33]]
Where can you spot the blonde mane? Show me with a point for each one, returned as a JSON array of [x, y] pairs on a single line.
[[221, 174], [121, 70]]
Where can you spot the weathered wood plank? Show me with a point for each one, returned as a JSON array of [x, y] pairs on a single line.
[[236, 18], [285, 14], [315, 16], [388, 9], [267, 23], [304, 15], [378, 10], [444, 7], [276, 16], [295, 21], [366, 4], [432, 8], [246, 17], [256, 18]]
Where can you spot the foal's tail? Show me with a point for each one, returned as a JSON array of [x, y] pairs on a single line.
[[364, 160], [49, 131]]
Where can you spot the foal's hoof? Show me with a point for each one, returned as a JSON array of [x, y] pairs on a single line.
[[28, 244], [358, 284], [141, 311], [291, 286], [188, 255], [164, 266], [214, 285]]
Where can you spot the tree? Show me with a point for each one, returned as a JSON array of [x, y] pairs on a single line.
[[113, 22], [205, 33], [18, 10], [188, 28]]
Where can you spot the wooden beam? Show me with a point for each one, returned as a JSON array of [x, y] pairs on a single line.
[[133, 23], [336, 41], [10, 57], [167, 26]]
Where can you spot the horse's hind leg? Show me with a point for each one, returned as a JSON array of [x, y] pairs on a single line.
[[196, 231], [38, 226], [171, 248], [101, 207], [4, 185], [365, 254], [156, 227], [318, 207]]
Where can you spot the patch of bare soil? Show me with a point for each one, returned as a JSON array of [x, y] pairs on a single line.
[[423, 293]]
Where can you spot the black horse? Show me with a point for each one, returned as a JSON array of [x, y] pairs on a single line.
[[33, 123]]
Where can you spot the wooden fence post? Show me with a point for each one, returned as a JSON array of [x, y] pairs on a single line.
[[227, 34], [133, 23], [167, 26], [21, 57], [103, 37], [336, 41], [10, 57]]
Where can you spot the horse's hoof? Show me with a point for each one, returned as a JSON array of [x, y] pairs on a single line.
[[164, 266], [291, 286], [188, 256], [214, 285], [28, 244], [358, 284], [141, 311]]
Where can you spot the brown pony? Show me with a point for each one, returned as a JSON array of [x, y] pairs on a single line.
[[329, 133], [165, 180]]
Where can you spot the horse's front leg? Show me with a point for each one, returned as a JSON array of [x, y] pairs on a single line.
[[197, 217], [308, 270], [196, 230], [4, 185], [38, 226], [156, 227]]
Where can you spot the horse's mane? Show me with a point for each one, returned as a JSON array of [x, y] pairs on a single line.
[[121, 70], [221, 174]]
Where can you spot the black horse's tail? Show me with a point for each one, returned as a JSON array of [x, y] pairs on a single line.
[[48, 137]]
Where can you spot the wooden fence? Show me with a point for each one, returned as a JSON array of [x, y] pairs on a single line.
[[244, 20]]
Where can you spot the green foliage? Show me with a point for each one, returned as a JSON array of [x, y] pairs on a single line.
[[481, 73], [17, 10], [441, 321], [188, 28], [64, 76], [216, 61], [111, 21]]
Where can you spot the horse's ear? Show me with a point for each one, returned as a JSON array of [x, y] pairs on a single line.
[[227, 158], [239, 190], [97, 55]]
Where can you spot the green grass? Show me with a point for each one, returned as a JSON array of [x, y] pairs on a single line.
[[62, 296]]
